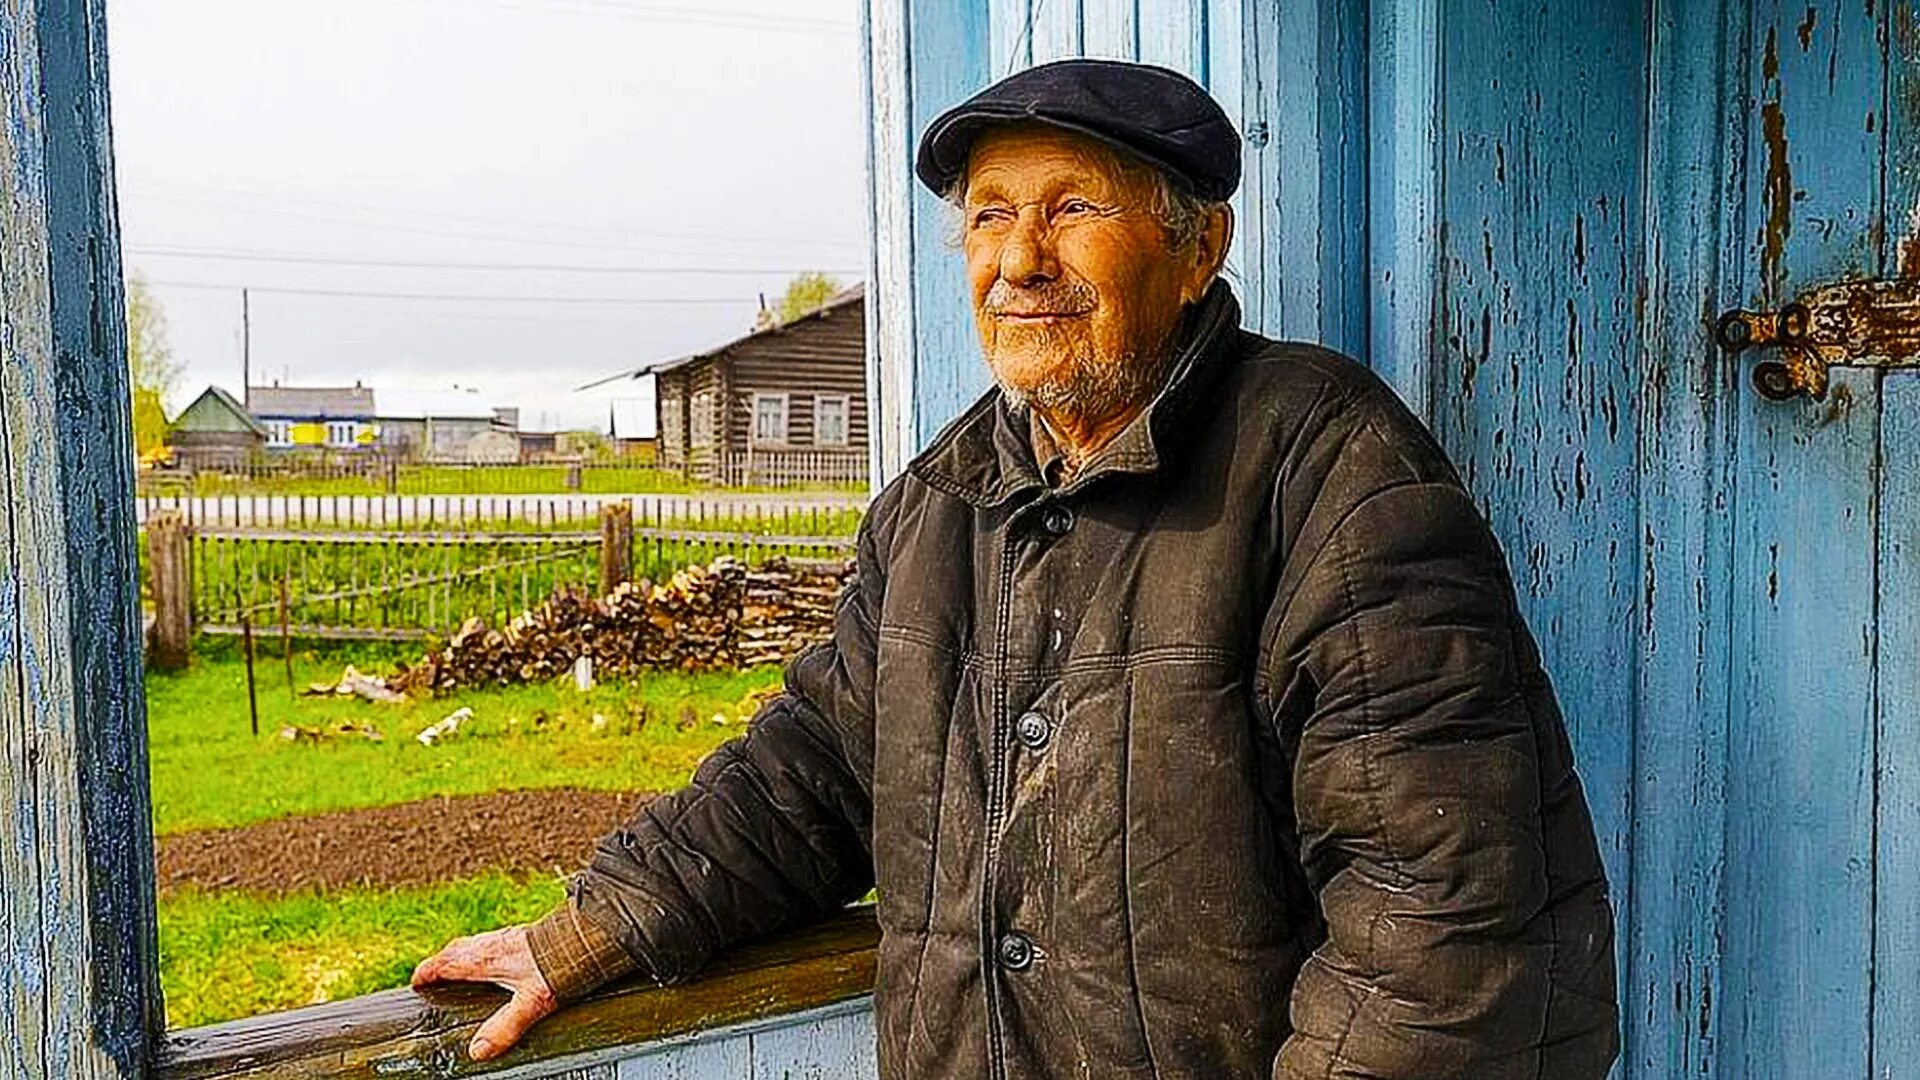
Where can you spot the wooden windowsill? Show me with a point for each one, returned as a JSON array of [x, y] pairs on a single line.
[[398, 1033]]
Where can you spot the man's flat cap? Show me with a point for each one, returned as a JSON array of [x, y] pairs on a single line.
[[1150, 112]]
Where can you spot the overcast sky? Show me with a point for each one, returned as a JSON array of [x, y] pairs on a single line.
[[298, 147]]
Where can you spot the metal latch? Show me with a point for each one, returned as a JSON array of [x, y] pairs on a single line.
[[1858, 323]]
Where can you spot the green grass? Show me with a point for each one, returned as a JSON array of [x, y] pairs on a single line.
[[209, 771], [225, 955], [347, 584], [230, 954]]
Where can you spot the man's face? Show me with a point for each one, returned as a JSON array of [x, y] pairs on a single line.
[[1076, 287]]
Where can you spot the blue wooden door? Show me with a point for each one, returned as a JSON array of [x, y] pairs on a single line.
[[1819, 925], [1528, 217]]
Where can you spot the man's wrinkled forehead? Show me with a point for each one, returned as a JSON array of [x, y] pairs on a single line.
[[1028, 160]]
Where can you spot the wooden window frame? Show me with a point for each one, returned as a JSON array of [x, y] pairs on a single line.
[[350, 427], [846, 421], [754, 437], [671, 418], [79, 947], [702, 432], [279, 433]]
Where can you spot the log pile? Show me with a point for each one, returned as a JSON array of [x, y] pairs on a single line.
[[723, 615]]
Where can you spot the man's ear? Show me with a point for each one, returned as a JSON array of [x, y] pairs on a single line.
[[1208, 251]]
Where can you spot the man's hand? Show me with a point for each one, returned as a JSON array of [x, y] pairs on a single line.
[[500, 957]]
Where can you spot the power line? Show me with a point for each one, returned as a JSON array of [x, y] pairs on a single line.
[[370, 294], [419, 230], [328, 260], [706, 237]]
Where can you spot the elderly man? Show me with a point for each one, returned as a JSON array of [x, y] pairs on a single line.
[[1180, 709]]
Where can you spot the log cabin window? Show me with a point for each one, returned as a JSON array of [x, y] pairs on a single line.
[[279, 433], [700, 432], [769, 419], [340, 432], [830, 420], [671, 434]]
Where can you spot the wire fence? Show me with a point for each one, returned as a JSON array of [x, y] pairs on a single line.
[[339, 576]]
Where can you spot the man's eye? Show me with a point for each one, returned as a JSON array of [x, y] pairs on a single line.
[[1076, 206], [990, 215]]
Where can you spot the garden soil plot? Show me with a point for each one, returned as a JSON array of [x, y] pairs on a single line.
[[448, 838]]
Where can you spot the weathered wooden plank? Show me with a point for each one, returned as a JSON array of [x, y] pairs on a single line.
[[1011, 44], [591, 1072], [1536, 376], [724, 1057], [1896, 952], [1305, 123], [886, 69], [1403, 192], [76, 885], [1896, 909], [1671, 996], [1225, 72], [170, 571], [400, 1033], [1800, 764], [1110, 28], [1172, 34], [1055, 32], [833, 1048], [950, 61]]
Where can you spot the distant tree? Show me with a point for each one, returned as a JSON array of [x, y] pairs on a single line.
[[151, 368], [806, 292], [587, 443]]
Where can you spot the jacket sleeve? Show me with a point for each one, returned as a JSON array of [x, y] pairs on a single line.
[[775, 828], [1428, 760]]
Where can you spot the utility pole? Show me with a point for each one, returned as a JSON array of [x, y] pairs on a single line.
[[246, 351]]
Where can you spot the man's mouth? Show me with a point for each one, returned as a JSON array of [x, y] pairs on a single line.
[[1037, 316]]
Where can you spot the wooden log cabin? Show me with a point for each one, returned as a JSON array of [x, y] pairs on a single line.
[[1529, 222], [784, 404]]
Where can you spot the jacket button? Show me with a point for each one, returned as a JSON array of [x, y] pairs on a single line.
[[1016, 951], [1057, 520], [1033, 730]]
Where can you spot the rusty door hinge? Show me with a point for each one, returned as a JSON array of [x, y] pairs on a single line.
[[1858, 323]]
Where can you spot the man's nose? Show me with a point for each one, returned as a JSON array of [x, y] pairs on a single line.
[[1027, 255]]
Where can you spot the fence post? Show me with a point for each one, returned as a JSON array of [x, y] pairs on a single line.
[[616, 545], [573, 475], [169, 559]]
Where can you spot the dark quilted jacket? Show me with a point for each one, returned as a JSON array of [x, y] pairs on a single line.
[[1230, 757]]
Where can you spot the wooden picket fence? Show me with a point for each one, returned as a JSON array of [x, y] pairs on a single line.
[[465, 513], [354, 580]]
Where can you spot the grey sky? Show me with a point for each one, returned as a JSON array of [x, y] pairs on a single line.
[[669, 134]]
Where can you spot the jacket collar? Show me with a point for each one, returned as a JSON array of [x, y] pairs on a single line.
[[986, 456]]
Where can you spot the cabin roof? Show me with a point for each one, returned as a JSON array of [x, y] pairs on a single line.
[[843, 299], [216, 410], [318, 402]]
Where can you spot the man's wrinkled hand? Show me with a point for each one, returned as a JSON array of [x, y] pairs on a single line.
[[500, 957]]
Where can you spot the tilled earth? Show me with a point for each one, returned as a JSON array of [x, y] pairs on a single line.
[[420, 843]]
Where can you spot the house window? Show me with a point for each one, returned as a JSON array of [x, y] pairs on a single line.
[[341, 432], [671, 433], [830, 421], [769, 418], [701, 428], [279, 432]]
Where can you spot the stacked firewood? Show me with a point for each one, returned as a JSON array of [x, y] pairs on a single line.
[[723, 615]]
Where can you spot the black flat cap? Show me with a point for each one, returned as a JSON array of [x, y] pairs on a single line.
[[1150, 112]]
